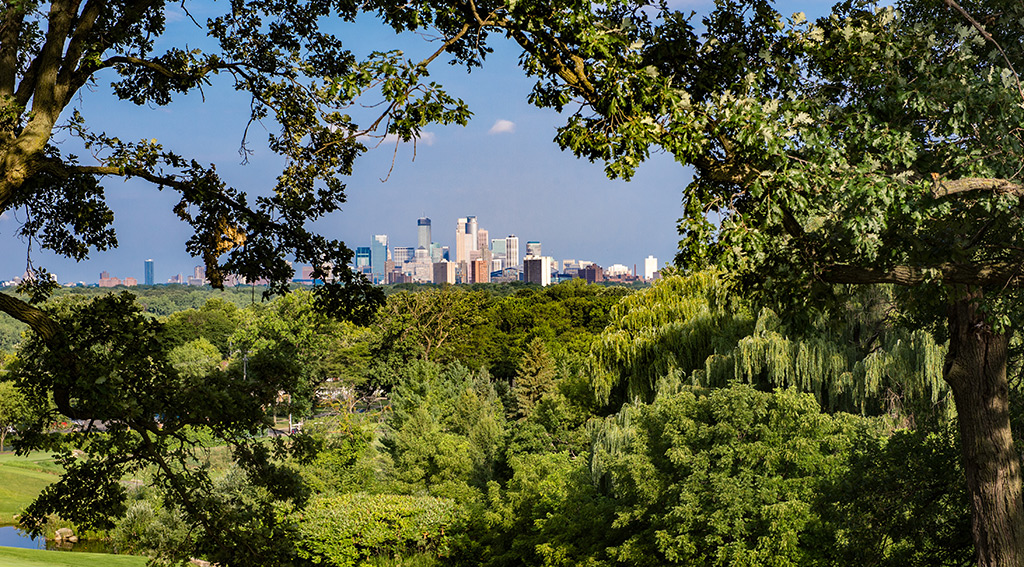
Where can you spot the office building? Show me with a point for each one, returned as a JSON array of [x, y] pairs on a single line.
[[481, 239], [472, 229], [402, 254], [461, 250], [148, 278], [498, 247], [479, 271], [378, 258], [444, 272], [533, 248], [592, 273], [650, 267], [423, 238], [362, 257], [512, 251], [537, 269]]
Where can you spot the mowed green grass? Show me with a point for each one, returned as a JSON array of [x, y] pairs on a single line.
[[14, 557], [22, 479]]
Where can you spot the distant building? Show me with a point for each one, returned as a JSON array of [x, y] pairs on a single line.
[[148, 277], [481, 239], [462, 247], [107, 281], [362, 257], [175, 279], [402, 254], [444, 272], [537, 269], [472, 229], [512, 251], [650, 267], [616, 270], [423, 233], [479, 271], [378, 258], [506, 275], [592, 273], [533, 248], [131, 282]]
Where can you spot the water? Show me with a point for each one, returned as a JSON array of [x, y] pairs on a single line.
[[11, 536]]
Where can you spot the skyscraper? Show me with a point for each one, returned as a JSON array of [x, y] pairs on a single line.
[[471, 229], [481, 239], [533, 248], [461, 252], [423, 233], [378, 257], [512, 250], [148, 278]]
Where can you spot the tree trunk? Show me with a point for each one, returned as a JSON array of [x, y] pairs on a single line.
[[976, 372]]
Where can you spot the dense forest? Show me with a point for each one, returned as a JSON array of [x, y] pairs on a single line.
[[681, 424]]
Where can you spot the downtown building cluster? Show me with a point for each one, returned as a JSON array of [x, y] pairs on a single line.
[[478, 258]]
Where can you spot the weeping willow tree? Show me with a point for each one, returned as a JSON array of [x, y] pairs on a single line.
[[691, 329]]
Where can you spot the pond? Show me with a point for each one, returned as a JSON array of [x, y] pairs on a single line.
[[11, 536]]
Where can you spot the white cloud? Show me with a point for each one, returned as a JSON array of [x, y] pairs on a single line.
[[503, 127], [427, 138]]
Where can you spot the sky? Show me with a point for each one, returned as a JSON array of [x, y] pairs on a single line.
[[502, 167]]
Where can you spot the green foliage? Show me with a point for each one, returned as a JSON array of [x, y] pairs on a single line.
[[289, 338], [446, 433], [195, 359], [150, 528], [726, 478], [902, 503], [536, 377], [347, 457], [215, 321], [852, 358], [13, 409], [345, 530]]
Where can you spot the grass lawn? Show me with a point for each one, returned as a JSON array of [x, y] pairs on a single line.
[[21, 479], [14, 557]]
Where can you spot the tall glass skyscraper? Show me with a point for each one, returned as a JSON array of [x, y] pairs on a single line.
[[378, 257], [423, 233], [149, 272]]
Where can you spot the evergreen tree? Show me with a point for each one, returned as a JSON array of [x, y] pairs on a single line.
[[536, 377]]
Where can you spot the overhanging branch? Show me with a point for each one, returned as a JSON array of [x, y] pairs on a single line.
[[39, 321], [995, 274], [942, 188]]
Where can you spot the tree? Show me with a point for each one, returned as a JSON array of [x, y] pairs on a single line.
[[536, 377], [872, 146], [13, 409]]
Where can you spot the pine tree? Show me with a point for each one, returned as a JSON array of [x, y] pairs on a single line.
[[536, 377]]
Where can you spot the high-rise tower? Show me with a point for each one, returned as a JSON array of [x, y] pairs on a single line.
[[423, 233], [471, 229], [461, 250], [149, 272], [512, 250], [533, 248], [379, 257]]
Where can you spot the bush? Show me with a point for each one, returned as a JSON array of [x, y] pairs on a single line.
[[348, 529]]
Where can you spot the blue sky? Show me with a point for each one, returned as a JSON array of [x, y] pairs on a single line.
[[503, 167]]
